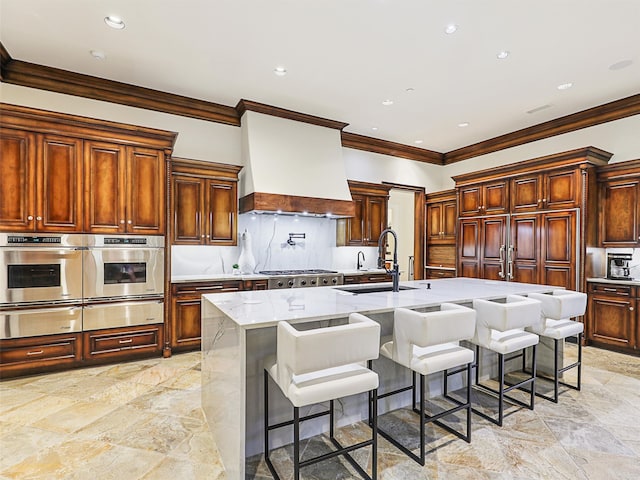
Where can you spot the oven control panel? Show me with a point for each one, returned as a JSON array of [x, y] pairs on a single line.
[[13, 239]]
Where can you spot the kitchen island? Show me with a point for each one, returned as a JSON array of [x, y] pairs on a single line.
[[239, 337]]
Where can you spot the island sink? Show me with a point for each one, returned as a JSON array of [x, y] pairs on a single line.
[[372, 289]]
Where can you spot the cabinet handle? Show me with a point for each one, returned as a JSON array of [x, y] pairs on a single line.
[[609, 289], [128, 340], [30, 217], [38, 352]]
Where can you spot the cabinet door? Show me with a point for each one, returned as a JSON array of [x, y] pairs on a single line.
[[492, 248], [620, 213], [526, 193], [558, 252], [146, 189], [524, 256], [59, 185], [495, 198], [470, 200], [188, 203], [186, 322], [355, 225], [562, 189], [449, 217], [612, 321], [221, 210], [17, 181], [469, 248], [104, 187], [375, 219], [434, 221]]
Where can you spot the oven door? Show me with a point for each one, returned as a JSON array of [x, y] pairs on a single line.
[[123, 272], [40, 321], [40, 274]]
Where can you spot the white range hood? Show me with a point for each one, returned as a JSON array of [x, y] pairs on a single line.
[[292, 166]]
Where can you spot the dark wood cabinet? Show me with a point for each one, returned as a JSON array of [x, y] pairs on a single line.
[[619, 213], [41, 181], [613, 320], [442, 216], [125, 190], [545, 191], [123, 343], [185, 321], [481, 247], [490, 198], [204, 203], [32, 355], [364, 229], [366, 278]]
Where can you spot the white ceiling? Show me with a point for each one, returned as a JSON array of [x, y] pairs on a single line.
[[344, 57]]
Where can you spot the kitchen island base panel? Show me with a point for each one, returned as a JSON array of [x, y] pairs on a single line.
[[239, 337]]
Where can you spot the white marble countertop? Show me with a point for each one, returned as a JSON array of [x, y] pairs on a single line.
[[634, 282], [217, 277], [264, 308]]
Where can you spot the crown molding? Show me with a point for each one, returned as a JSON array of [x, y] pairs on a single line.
[[5, 59], [607, 112], [62, 81], [249, 105], [385, 147]]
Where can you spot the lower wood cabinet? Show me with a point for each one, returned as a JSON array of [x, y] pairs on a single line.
[[124, 343], [185, 309], [613, 320], [20, 356], [366, 278], [431, 273]]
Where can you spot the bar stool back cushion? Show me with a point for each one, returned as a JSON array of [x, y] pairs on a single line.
[[427, 342], [500, 326], [322, 364]]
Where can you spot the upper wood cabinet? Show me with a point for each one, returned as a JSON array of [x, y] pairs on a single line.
[[619, 213], [442, 214], [370, 219], [41, 181], [204, 203], [60, 174], [545, 191], [489, 198]]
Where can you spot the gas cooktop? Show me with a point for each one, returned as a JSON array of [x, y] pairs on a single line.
[[296, 272]]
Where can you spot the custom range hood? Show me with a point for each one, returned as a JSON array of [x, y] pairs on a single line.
[[292, 163]]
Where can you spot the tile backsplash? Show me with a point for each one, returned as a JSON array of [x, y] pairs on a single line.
[[269, 235]]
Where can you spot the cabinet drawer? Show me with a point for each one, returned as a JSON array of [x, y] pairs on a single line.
[[37, 354], [122, 342], [612, 289], [198, 289], [437, 273]]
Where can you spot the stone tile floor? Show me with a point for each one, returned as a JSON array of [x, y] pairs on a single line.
[[142, 420]]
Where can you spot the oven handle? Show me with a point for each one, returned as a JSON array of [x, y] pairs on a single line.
[[121, 304], [62, 250], [39, 310]]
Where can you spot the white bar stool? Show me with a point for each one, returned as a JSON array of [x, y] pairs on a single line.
[[427, 343], [500, 328], [557, 310], [320, 365]]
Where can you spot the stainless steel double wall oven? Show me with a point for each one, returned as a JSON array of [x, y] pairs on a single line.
[[69, 283]]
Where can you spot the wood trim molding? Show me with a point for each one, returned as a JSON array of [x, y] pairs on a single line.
[[71, 83], [385, 147], [367, 188], [271, 202], [608, 112], [5, 59], [249, 105], [201, 168], [619, 170], [43, 121], [402, 186], [441, 196], [591, 155]]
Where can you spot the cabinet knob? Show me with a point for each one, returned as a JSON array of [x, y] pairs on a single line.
[[631, 309], [202, 236], [38, 218], [207, 236], [129, 222], [30, 217], [122, 221]]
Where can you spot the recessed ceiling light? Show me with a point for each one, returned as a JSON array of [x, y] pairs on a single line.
[[97, 54], [418, 141], [620, 65], [114, 22], [537, 109], [280, 71], [463, 124], [374, 128], [501, 55], [565, 86], [451, 28], [410, 90], [387, 102]]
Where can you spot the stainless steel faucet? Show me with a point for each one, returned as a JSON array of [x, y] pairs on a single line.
[[395, 271], [358, 264]]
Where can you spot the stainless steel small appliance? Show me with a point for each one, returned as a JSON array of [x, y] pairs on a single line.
[[40, 268], [618, 266], [123, 266], [302, 278]]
